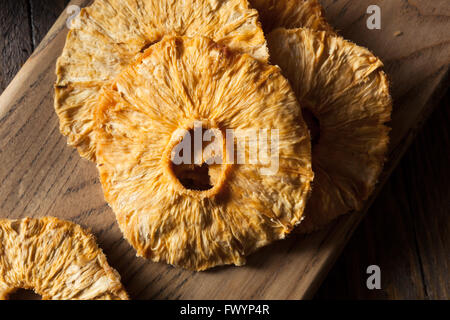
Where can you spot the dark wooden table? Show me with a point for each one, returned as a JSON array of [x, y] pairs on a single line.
[[407, 230]]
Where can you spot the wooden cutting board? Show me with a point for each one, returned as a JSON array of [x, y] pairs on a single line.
[[40, 175]]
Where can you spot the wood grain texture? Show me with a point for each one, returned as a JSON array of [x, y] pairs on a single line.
[[409, 222], [40, 9], [41, 176], [431, 210], [11, 50], [413, 249]]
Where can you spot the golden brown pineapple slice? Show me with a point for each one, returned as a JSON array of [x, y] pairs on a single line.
[[291, 14], [57, 259], [109, 34], [345, 95], [198, 217]]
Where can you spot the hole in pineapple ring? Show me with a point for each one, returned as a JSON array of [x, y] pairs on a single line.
[[24, 294], [313, 125], [193, 177], [196, 159]]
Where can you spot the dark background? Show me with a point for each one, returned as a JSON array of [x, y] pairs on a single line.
[[407, 230]]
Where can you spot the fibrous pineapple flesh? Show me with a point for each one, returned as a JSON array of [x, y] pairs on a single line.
[[110, 34], [57, 259], [175, 83], [343, 88]]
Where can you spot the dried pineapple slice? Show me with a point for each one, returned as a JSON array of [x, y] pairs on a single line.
[[57, 259], [109, 34], [198, 217], [291, 14], [346, 97]]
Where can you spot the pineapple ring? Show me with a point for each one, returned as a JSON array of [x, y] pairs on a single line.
[[108, 35], [175, 83], [291, 14], [57, 259], [343, 87]]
